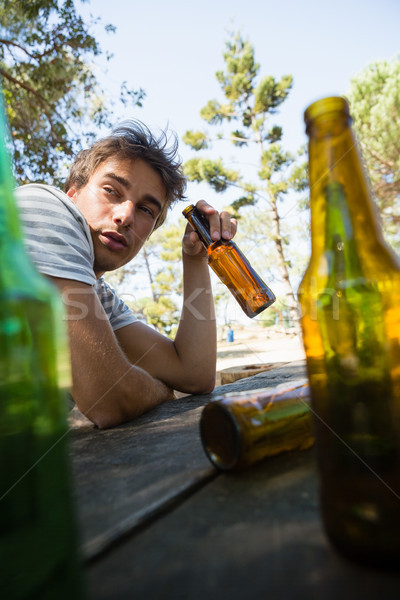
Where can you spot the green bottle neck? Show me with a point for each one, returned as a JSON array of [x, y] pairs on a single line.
[[16, 271], [334, 161], [10, 227]]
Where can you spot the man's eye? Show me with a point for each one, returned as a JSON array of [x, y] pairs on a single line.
[[109, 190], [147, 210]]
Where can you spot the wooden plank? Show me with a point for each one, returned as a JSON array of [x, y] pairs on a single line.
[[231, 374]]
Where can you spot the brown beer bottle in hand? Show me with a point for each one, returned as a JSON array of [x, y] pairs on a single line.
[[232, 267], [350, 301]]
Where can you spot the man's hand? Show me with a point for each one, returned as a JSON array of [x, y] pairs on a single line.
[[222, 225]]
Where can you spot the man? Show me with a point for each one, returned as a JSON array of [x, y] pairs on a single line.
[[117, 193]]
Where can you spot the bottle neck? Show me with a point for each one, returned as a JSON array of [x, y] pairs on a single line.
[[335, 164], [199, 224], [10, 228]]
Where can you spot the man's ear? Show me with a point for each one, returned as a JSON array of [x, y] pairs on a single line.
[[71, 193]]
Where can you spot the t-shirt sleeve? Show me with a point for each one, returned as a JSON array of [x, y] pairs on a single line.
[[57, 236], [118, 313]]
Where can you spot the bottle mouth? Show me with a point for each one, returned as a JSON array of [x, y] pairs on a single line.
[[220, 436], [325, 106], [188, 209]]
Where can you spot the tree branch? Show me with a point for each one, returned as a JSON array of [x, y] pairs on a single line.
[[25, 86], [54, 47], [42, 100], [388, 164], [10, 43]]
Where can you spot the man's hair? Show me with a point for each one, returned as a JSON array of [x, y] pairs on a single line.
[[134, 140]]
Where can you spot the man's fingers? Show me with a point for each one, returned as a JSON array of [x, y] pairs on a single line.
[[228, 225], [222, 225]]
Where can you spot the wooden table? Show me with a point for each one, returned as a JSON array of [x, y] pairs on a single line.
[[158, 521]]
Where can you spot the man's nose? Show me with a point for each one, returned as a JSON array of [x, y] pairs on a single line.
[[123, 215]]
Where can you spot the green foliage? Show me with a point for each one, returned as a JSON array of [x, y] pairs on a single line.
[[247, 200], [273, 159], [212, 171], [374, 98], [214, 112], [241, 69], [269, 93], [163, 314], [196, 140], [238, 138], [274, 135], [299, 177], [53, 99]]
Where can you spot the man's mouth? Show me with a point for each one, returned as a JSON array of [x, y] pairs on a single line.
[[113, 240]]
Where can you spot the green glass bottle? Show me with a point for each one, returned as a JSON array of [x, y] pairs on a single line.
[[350, 305], [38, 548]]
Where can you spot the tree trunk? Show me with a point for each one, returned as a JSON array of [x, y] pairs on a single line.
[[149, 273], [287, 286]]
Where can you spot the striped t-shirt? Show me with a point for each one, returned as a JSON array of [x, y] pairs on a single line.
[[58, 240]]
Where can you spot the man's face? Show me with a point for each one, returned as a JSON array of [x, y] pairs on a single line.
[[121, 203]]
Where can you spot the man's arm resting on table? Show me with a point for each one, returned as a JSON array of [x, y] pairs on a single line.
[[106, 387]]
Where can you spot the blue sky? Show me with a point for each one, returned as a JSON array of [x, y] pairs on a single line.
[[172, 50]]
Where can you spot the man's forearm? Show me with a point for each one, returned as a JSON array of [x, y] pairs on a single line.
[[131, 396], [196, 339]]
